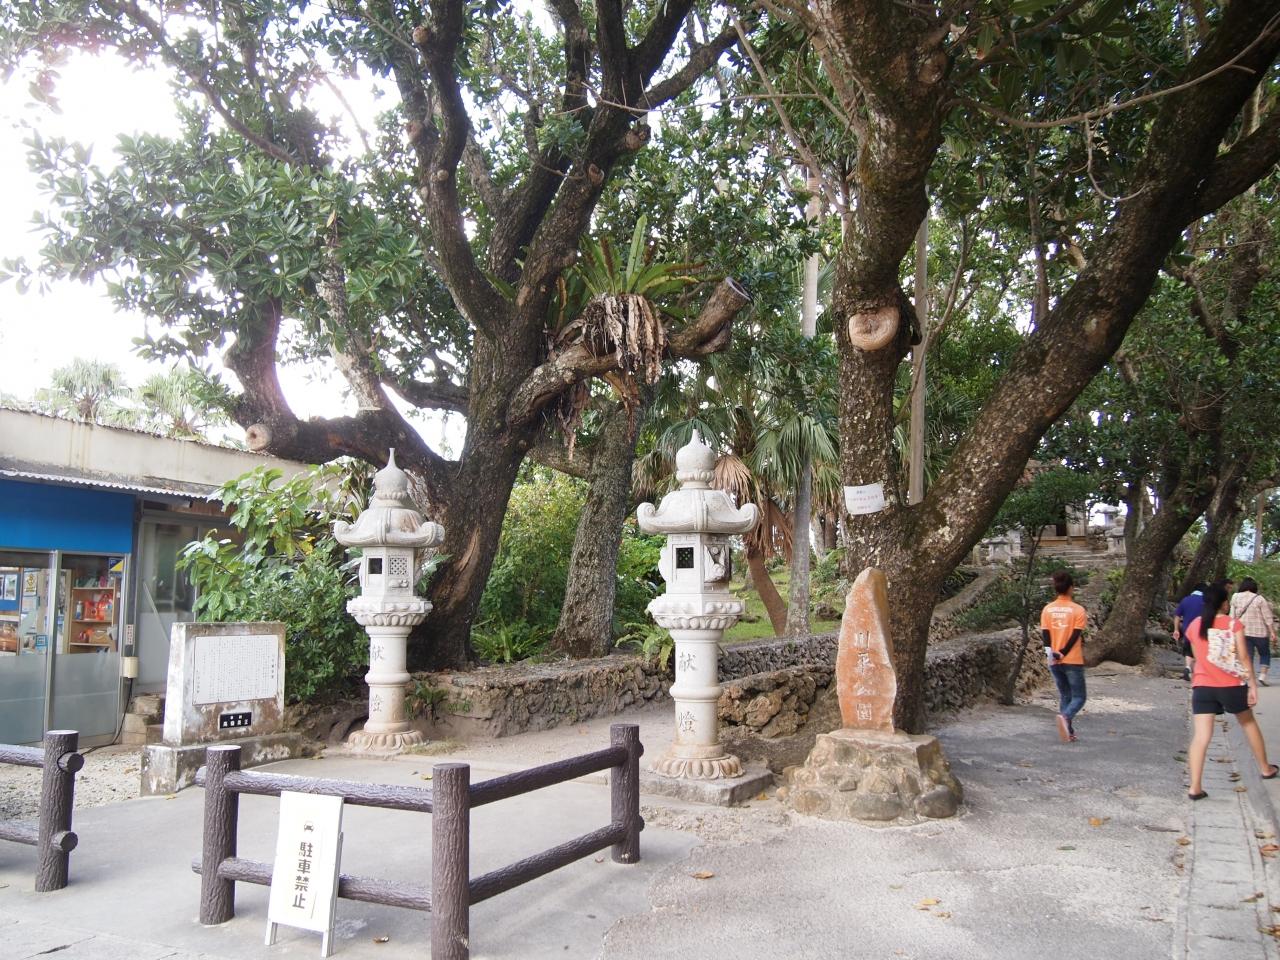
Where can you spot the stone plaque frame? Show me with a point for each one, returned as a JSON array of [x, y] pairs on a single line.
[[253, 655]]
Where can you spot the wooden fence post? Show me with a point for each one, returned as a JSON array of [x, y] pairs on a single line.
[[221, 819], [57, 797], [451, 861], [624, 791]]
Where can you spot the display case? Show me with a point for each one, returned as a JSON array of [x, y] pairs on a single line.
[[94, 615]]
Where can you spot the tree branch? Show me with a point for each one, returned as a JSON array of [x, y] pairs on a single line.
[[708, 333], [553, 455], [701, 59], [439, 151], [430, 394], [1090, 320], [1242, 166], [132, 11]]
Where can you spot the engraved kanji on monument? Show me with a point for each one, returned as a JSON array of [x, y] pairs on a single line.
[[866, 682], [867, 770]]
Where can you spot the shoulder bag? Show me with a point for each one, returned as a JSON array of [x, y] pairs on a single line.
[[1222, 651]]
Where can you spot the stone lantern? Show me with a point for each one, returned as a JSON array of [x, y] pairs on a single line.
[[697, 607], [393, 537]]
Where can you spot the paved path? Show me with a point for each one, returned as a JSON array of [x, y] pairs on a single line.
[[1063, 851], [1227, 904]]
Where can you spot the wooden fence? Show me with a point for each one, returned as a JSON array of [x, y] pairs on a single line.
[[51, 835], [449, 800]]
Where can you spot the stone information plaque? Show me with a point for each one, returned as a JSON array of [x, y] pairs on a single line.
[[226, 685], [304, 877], [236, 668]]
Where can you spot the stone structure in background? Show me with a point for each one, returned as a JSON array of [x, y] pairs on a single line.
[[868, 770], [393, 538], [697, 607], [226, 685]]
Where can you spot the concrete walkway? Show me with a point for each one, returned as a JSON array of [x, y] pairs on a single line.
[[1063, 851]]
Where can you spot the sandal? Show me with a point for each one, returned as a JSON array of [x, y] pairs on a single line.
[[1197, 796], [1275, 772]]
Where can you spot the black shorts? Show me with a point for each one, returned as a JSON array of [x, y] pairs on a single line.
[[1219, 699], [1186, 649]]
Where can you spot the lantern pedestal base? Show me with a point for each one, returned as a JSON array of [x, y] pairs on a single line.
[[755, 779], [725, 766], [362, 741]]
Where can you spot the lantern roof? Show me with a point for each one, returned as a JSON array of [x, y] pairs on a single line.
[[695, 507], [390, 520]]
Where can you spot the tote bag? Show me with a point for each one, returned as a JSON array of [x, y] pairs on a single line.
[[1222, 652]]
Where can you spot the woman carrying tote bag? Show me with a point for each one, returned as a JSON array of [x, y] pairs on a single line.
[[1254, 610], [1222, 682]]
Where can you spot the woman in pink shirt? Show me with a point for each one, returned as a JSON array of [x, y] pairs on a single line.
[[1214, 691]]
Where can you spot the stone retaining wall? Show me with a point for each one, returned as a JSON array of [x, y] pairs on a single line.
[[776, 690], [778, 693], [501, 701], [775, 715]]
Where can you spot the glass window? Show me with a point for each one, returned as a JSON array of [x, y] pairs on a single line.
[[26, 623]]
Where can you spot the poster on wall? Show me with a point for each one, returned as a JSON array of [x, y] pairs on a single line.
[[9, 587]]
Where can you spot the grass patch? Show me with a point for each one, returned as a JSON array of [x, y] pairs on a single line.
[[755, 624]]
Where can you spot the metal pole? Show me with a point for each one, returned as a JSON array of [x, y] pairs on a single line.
[[221, 818], [57, 797], [624, 791], [450, 861]]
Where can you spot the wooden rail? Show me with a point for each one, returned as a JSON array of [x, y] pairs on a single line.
[[449, 801], [52, 835]]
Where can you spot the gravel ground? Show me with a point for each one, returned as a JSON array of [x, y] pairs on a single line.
[[110, 774]]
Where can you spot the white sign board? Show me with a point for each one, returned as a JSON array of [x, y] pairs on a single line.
[[304, 878], [235, 668], [868, 498]]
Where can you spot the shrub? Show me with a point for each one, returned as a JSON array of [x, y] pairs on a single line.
[[827, 570], [283, 564], [526, 583], [521, 604]]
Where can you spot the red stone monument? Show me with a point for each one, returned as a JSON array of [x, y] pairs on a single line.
[[867, 770], [866, 684]]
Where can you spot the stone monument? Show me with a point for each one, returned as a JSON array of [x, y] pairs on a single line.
[[697, 607], [225, 685], [868, 770], [394, 538]]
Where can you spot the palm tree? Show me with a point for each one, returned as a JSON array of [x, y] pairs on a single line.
[[88, 390], [767, 403], [178, 404]]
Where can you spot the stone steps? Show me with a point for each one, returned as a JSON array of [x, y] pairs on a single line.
[[143, 721]]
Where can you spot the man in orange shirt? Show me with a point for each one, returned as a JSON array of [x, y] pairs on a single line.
[[1062, 624]]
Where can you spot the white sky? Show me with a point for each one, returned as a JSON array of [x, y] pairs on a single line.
[[101, 98]]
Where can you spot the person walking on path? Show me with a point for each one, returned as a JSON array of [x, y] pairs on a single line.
[[1215, 691], [1254, 610], [1062, 624], [1188, 610]]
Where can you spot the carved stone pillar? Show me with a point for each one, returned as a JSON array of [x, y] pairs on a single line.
[[697, 607], [393, 537]]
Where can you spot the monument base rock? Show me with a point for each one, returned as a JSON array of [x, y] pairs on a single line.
[[873, 775]]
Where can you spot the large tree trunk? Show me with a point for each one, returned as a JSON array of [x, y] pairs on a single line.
[[769, 595], [918, 546], [586, 619], [1009, 693], [472, 520], [1222, 522], [1123, 636]]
